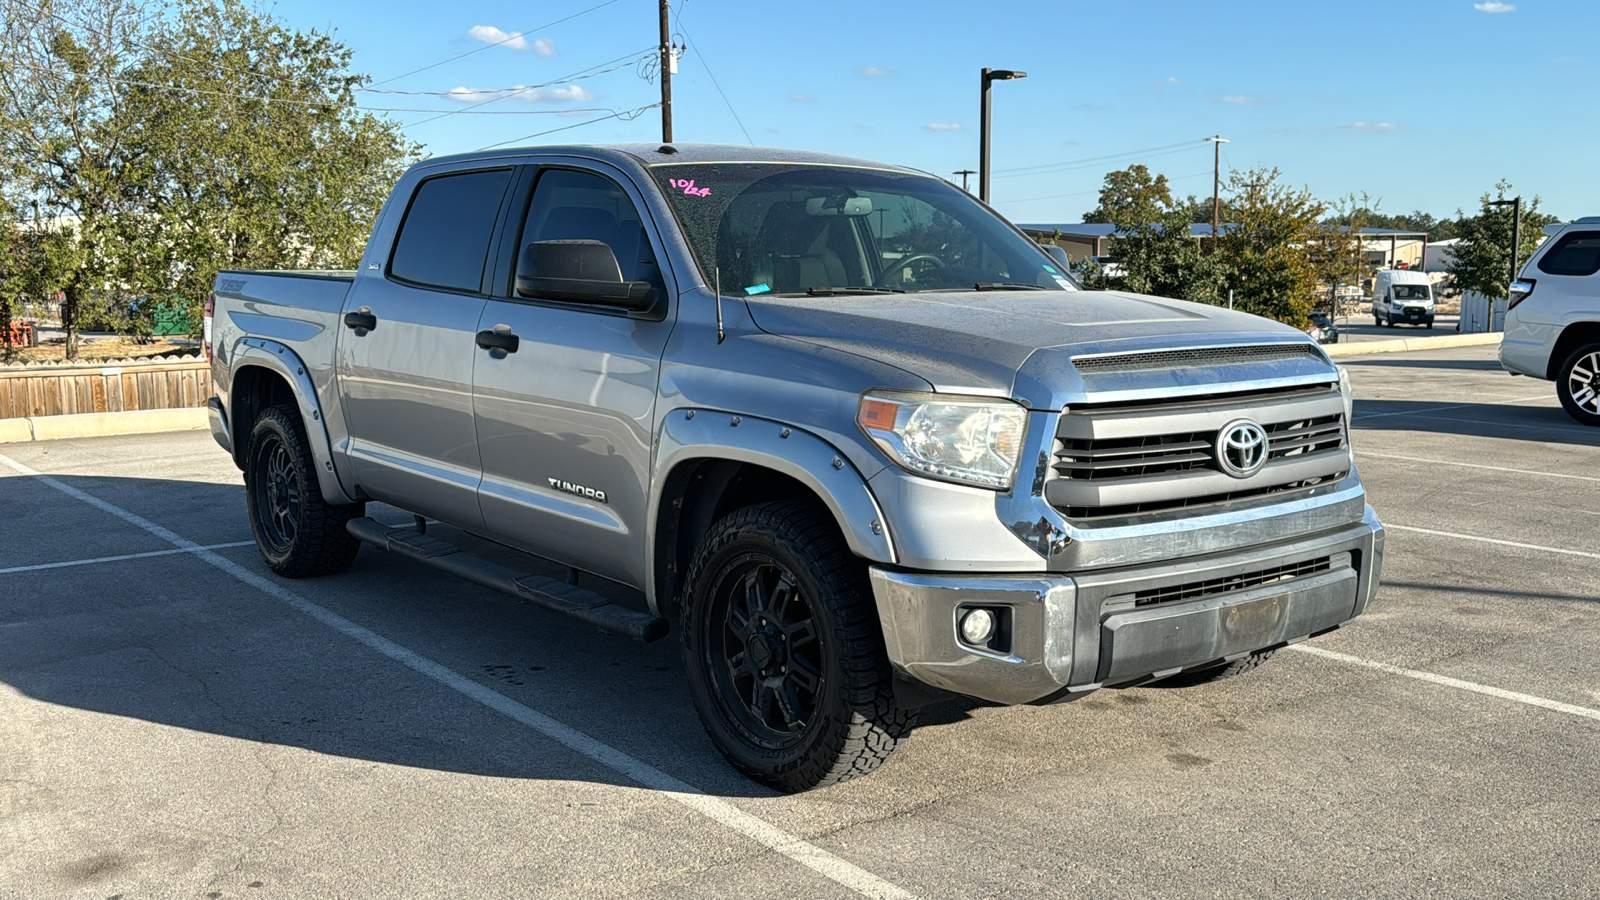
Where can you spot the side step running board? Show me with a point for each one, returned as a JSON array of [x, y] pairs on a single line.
[[585, 606]]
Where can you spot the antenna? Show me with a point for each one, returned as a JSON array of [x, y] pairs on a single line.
[[716, 275]]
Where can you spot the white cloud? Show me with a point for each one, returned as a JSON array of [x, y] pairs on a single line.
[[1235, 100], [572, 93], [492, 35], [1173, 79], [874, 71], [1373, 127], [544, 46], [801, 98], [1494, 6], [943, 126]]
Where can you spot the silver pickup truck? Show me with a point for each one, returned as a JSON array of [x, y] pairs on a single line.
[[862, 440]]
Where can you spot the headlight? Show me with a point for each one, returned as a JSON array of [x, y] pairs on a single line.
[[968, 440], [1349, 396]]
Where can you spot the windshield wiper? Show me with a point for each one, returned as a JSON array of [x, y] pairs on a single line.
[[1007, 286], [845, 291]]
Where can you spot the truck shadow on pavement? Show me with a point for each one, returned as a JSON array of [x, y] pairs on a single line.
[[1474, 365], [177, 642], [1543, 424]]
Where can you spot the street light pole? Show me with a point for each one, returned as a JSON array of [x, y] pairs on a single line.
[[988, 75]]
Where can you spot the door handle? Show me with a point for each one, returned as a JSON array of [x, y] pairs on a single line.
[[499, 342], [362, 320]]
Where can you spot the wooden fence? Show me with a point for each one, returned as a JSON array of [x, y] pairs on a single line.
[[55, 389]]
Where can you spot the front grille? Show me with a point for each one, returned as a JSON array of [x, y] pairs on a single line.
[[1199, 356], [1153, 456], [1195, 590], [1157, 454]]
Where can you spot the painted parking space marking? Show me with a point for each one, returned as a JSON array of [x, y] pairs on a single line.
[[1461, 465], [126, 556], [757, 829], [1485, 540], [1457, 683]]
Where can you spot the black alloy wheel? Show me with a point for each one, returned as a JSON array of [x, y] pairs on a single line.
[[763, 630], [277, 495]]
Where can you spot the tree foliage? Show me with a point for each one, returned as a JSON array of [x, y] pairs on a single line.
[[1482, 259], [1268, 255], [165, 143], [1131, 197]]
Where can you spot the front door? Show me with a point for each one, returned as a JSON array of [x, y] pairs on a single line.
[[407, 351], [564, 422]]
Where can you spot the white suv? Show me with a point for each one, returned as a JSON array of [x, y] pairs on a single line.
[[1553, 318]]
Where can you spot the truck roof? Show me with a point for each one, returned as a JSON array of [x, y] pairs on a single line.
[[1405, 276], [652, 155]]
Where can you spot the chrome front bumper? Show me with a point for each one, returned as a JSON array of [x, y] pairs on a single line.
[[1073, 634]]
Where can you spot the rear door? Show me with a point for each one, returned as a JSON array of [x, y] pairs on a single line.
[[564, 422], [406, 355]]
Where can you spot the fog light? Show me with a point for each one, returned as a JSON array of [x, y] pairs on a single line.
[[977, 626]]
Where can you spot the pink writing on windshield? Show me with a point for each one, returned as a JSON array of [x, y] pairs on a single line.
[[688, 187]]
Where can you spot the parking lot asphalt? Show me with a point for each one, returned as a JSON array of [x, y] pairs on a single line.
[[177, 722]]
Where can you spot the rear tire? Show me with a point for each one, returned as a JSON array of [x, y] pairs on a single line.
[[784, 652], [1578, 384], [298, 533], [1217, 673]]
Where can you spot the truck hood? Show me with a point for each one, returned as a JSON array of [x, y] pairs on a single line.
[[1020, 344]]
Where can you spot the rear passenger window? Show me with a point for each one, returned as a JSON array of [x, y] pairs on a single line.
[[1576, 253], [570, 205], [444, 239]]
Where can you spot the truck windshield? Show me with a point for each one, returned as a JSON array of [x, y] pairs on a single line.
[[1411, 292], [760, 228]]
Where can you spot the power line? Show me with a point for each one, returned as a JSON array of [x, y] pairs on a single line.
[[495, 44], [627, 115], [284, 101], [1091, 163], [705, 62], [576, 76]]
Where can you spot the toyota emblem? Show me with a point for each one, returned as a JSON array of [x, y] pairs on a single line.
[[1241, 448]]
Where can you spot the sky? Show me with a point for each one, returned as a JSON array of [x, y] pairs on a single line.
[[1421, 105]]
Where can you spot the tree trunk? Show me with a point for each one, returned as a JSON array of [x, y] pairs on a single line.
[[69, 319]]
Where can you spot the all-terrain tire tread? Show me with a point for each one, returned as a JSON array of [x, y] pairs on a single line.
[[322, 546], [877, 723]]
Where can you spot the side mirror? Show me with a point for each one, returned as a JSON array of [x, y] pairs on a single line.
[[579, 272], [1059, 255]]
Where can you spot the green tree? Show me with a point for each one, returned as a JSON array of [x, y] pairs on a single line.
[[61, 105], [249, 152], [1482, 259], [1334, 245], [1159, 257], [1131, 197], [1269, 253]]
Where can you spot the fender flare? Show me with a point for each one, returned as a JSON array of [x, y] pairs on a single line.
[[279, 359], [694, 434]]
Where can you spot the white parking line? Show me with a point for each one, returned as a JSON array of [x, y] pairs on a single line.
[[1483, 540], [1454, 464], [1447, 681], [757, 829], [106, 559]]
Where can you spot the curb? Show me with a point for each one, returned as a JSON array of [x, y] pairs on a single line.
[[81, 425], [1401, 345]]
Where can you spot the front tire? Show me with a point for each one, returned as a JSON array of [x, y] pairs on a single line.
[[784, 653], [1578, 384], [298, 533]]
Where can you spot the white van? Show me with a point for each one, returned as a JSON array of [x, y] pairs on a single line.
[[1401, 296]]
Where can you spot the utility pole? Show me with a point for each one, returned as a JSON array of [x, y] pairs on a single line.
[[666, 77], [964, 173], [1216, 184]]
